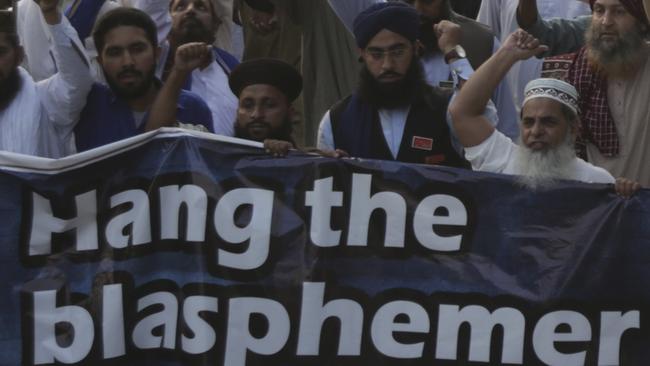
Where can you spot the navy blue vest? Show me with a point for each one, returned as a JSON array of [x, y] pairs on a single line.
[[356, 128]]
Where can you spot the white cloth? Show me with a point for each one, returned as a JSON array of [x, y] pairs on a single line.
[[58, 100], [501, 16], [497, 155], [436, 70]]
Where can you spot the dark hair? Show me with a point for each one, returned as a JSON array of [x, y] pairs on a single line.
[[11, 38], [124, 17]]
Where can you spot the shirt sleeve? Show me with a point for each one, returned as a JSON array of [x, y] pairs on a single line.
[[504, 101], [560, 35], [492, 155], [325, 139], [64, 95]]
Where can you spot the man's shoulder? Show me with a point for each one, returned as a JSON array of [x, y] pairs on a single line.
[[189, 98], [228, 59], [590, 173]]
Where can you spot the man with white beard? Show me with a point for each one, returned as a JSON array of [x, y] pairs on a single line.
[[548, 128]]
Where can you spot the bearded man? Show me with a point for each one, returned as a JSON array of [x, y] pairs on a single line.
[[36, 118], [611, 73], [127, 52], [549, 125], [394, 114]]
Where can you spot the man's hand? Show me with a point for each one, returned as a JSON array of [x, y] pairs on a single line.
[[191, 56], [277, 148], [337, 154], [50, 10], [449, 35], [263, 22], [522, 45], [626, 188]]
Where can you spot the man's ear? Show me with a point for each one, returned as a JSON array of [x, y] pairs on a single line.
[[20, 55]]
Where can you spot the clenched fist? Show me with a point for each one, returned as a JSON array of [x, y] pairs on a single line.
[[191, 56]]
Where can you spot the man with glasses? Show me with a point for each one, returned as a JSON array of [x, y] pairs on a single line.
[[394, 114]]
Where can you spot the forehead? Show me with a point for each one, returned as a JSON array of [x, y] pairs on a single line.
[[386, 38], [609, 3], [125, 35], [207, 3], [261, 91]]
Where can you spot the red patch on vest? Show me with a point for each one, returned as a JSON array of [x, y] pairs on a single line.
[[435, 159], [422, 143]]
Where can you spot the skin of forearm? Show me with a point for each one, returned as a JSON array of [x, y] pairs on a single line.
[[527, 13], [163, 110]]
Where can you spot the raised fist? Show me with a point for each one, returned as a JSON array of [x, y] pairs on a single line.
[[523, 45], [191, 56], [449, 35]]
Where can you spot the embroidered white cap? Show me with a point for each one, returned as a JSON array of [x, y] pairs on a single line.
[[555, 89]]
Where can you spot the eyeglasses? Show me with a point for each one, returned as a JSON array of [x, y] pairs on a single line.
[[378, 54]]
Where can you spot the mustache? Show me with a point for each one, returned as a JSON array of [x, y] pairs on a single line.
[[129, 72], [258, 124], [389, 74]]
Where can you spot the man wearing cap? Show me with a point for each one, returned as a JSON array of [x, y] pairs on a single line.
[[37, 118], [549, 125], [394, 114], [265, 88]]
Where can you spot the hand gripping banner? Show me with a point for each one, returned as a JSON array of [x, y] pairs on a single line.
[[182, 248]]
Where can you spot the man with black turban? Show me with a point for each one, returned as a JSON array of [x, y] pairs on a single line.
[[265, 89], [394, 114]]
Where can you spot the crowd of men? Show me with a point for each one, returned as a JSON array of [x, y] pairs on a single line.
[[431, 86]]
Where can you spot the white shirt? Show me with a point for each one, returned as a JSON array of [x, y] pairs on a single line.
[[501, 16], [497, 155], [51, 106]]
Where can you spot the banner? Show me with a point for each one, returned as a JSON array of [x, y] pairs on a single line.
[[183, 248]]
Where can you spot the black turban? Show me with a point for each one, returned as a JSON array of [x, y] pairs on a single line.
[[396, 17], [7, 22], [267, 71]]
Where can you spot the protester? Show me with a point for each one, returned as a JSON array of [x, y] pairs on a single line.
[[394, 114], [549, 125], [197, 21], [126, 44], [470, 39], [501, 16], [36, 118], [266, 88]]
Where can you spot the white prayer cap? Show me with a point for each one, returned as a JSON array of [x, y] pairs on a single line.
[[555, 89]]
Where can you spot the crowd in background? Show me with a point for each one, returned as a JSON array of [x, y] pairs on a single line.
[[545, 90]]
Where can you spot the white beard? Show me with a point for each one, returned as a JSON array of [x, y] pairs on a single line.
[[540, 169]]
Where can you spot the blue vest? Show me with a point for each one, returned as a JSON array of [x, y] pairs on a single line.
[[356, 128]]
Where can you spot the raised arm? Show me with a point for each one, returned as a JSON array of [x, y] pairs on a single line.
[[470, 125], [188, 57], [64, 94], [560, 35]]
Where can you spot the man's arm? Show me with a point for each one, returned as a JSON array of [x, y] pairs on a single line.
[[560, 35], [470, 125], [188, 57], [64, 94]]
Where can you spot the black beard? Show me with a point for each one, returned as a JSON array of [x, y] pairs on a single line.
[[283, 133], [135, 92], [192, 30], [9, 87], [395, 94]]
